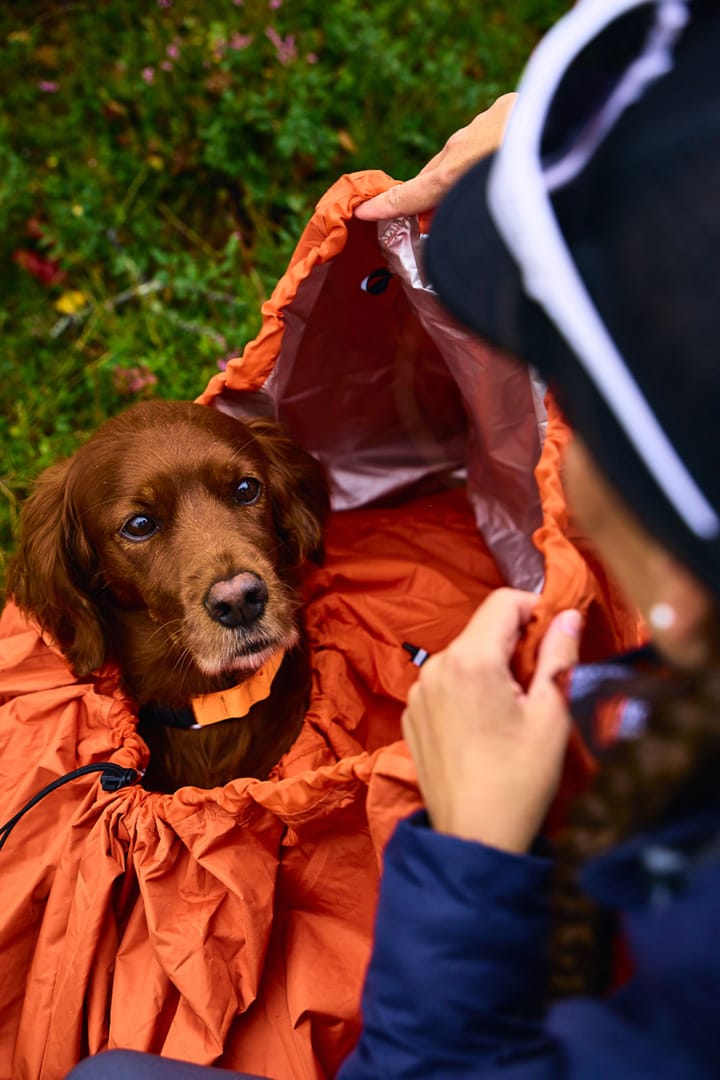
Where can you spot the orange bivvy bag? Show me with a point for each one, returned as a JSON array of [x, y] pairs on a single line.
[[233, 926]]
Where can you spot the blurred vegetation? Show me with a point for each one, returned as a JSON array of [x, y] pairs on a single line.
[[159, 159]]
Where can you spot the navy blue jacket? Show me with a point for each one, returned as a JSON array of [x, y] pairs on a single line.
[[455, 984]]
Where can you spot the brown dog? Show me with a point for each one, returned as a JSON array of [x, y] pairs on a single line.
[[169, 543]]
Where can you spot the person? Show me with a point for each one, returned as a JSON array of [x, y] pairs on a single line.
[[585, 245]]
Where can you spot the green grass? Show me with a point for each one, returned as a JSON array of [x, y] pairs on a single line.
[[159, 159]]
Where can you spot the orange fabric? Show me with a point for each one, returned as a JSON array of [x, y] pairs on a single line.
[[323, 239], [233, 926]]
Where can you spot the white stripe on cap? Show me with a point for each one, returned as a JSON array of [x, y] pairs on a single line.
[[519, 202]]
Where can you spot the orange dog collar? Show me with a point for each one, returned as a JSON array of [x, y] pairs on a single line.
[[238, 700]]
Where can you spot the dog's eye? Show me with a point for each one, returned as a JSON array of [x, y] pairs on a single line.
[[139, 527], [247, 491]]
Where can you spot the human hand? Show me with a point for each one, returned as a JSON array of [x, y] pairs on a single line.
[[489, 756], [465, 147]]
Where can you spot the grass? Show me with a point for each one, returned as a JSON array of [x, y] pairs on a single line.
[[159, 159]]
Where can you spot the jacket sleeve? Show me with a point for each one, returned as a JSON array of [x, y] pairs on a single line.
[[456, 982]]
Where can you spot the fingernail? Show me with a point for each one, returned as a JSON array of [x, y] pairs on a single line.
[[570, 622]]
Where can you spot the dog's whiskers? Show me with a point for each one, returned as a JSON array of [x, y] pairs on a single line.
[[163, 628]]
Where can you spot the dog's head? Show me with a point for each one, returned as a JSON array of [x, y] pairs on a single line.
[[174, 531]]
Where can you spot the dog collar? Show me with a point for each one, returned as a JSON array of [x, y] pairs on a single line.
[[238, 700]]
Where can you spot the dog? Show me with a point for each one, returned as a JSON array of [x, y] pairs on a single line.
[[170, 544]]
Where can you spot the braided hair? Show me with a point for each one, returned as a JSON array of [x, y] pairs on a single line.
[[673, 767]]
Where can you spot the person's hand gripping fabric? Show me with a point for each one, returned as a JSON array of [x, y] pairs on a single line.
[[463, 149], [489, 755]]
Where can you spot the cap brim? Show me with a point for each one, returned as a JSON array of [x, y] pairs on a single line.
[[480, 283], [468, 265]]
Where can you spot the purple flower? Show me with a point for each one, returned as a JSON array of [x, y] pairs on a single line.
[[134, 380], [164, 3], [172, 51], [288, 51], [48, 87], [285, 48], [240, 41], [148, 73], [274, 4], [311, 58], [166, 65]]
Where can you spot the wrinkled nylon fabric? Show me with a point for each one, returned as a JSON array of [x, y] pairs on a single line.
[[233, 926]]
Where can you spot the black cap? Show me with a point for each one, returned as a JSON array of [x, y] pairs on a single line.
[[642, 222]]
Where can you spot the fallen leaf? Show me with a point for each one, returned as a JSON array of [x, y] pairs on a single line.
[[346, 141]]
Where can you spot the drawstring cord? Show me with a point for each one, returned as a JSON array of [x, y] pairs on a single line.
[[113, 777]]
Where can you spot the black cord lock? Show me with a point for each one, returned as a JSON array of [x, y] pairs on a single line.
[[112, 778]]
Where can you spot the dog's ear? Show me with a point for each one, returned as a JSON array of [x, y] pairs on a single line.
[[50, 576], [298, 490]]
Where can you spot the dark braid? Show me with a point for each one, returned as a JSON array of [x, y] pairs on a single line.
[[674, 765]]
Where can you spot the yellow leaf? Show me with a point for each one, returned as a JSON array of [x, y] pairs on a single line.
[[114, 110], [346, 141], [70, 302]]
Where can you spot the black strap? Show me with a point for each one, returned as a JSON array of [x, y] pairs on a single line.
[[113, 777], [154, 713]]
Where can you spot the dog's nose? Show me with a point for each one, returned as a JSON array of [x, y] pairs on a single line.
[[237, 601]]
